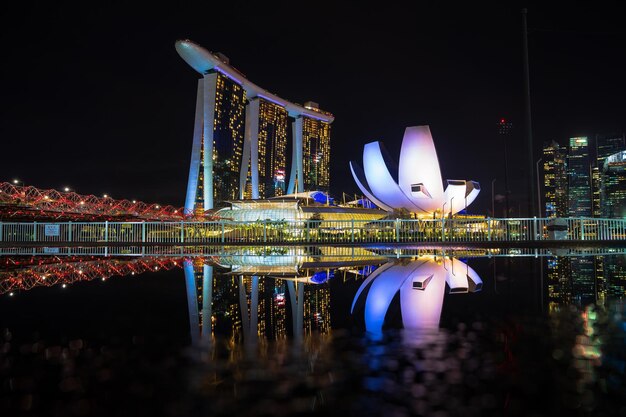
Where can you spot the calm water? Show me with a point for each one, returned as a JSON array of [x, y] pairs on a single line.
[[365, 332]]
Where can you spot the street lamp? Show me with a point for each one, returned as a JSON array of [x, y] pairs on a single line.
[[66, 189], [493, 205], [451, 214], [16, 182], [538, 189]]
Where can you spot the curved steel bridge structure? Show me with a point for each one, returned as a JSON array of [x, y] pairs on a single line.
[[32, 203]]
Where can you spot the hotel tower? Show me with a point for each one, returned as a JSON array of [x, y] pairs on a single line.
[[240, 137]]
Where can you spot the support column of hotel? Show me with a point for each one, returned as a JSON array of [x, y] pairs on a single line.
[[296, 179], [201, 167], [250, 159]]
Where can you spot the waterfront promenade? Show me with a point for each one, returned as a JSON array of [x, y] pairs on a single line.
[[487, 231]]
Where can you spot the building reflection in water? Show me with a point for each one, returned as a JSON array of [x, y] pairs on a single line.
[[247, 296], [422, 284]]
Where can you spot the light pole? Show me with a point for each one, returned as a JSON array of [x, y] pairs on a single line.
[[538, 189], [451, 207], [443, 209], [493, 205]]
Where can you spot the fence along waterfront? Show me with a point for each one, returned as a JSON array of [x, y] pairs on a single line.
[[312, 231]]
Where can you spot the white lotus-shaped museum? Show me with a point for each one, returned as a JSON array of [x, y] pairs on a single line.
[[416, 185]]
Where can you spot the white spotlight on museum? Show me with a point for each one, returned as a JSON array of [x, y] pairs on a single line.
[[416, 184]]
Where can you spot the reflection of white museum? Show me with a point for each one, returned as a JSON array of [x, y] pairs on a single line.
[[422, 285]]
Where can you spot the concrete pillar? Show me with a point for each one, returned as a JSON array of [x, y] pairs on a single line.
[[297, 174], [250, 149], [194, 167], [202, 136], [209, 89]]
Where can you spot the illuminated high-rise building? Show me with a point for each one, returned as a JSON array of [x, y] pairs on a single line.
[[596, 190], [240, 137], [607, 145], [578, 178], [555, 179], [316, 152], [271, 150], [613, 192]]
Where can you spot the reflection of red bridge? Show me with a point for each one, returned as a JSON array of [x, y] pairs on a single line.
[[17, 202], [27, 273]]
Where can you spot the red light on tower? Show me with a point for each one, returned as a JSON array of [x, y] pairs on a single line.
[[502, 121]]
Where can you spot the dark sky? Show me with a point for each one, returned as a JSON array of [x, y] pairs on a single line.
[[96, 97]]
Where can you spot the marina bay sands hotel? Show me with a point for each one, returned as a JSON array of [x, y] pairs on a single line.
[[240, 137]]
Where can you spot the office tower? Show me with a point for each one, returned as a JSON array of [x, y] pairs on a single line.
[[607, 145], [596, 189], [555, 179], [578, 178], [613, 193]]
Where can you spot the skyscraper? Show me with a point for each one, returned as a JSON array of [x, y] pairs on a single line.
[[607, 145], [555, 179], [578, 178], [613, 193]]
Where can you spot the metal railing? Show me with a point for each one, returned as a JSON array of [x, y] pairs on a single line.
[[459, 230]]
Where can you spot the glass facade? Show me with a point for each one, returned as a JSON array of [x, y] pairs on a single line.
[[555, 180], [228, 132], [272, 149], [316, 154], [613, 192], [578, 178]]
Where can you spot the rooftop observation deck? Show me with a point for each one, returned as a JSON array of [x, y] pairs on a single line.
[[204, 61]]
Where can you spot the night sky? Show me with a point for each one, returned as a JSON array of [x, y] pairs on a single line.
[[96, 97]]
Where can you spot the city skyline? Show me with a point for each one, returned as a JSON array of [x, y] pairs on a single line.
[[128, 127]]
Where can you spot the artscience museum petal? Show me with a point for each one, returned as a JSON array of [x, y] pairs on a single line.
[[415, 184]]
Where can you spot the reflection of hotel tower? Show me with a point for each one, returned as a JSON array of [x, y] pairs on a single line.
[[249, 307], [240, 137]]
